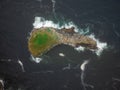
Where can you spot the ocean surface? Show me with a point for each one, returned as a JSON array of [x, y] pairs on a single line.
[[65, 67]]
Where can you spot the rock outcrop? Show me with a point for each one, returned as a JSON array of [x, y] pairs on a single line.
[[45, 38]]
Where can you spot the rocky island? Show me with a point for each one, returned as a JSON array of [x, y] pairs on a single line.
[[43, 39]]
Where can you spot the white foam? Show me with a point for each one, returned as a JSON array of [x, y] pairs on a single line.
[[2, 82], [41, 22], [101, 45], [82, 67], [36, 60], [21, 64], [80, 48], [62, 54]]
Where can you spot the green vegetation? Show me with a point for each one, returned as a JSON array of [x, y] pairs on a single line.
[[41, 41]]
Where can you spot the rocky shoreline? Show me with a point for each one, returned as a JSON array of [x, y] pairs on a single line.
[[50, 37]]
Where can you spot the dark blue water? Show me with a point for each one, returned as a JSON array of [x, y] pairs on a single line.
[[16, 18]]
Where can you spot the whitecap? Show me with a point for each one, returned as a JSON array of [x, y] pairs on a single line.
[[82, 67], [41, 22], [100, 45], [36, 59]]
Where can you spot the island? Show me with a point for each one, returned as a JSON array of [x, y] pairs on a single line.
[[42, 39]]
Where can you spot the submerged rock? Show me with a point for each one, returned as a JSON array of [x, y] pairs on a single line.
[[45, 38]]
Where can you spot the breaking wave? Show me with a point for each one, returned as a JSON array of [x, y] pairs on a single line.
[[42, 22]]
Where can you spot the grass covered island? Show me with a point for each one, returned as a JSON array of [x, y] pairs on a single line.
[[43, 39]]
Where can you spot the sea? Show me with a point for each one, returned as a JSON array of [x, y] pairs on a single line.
[[63, 67]]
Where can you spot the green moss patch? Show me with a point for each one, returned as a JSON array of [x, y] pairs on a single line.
[[41, 41]]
